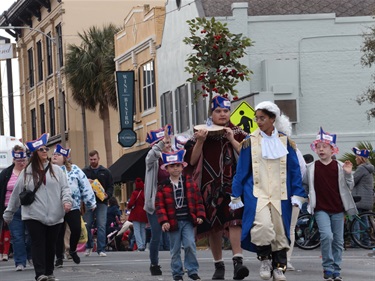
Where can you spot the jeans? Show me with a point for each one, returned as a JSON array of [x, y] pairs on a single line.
[[44, 238], [185, 237], [140, 234], [155, 238], [100, 213], [331, 229], [164, 242], [20, 239]]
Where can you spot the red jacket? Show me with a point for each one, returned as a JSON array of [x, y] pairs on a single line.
[[165, 203], [136, 206]]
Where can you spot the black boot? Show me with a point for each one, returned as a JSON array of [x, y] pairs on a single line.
[[219, 271], [240, 271], [279, 259]]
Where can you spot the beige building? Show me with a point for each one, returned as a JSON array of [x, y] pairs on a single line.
[[41, 89], [135, 50]]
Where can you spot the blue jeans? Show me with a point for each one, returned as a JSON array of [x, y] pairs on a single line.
[[100, 213], [331, 229], [185, 237], [155, 238], [140, 234], [20, 239]]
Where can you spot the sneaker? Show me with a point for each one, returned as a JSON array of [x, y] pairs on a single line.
[[265, 269], [328, 275], [336, 276], [88, 252], [155, 270], [194, 277], [278, 275], [51, 278], [20, 267], [75, 257], [290, 267], [59, 263], [102, 254], [178, 278], [42, 278], [5, 257]]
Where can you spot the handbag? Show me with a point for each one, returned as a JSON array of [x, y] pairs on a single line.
[[83, 237], [27, 196]]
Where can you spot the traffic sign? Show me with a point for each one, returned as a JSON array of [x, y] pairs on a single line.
[[243, 117], [127, 137]]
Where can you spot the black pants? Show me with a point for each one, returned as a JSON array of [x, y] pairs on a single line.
[[43, 246], [73, 219]]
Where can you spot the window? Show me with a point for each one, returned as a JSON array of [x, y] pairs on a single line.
[[199, 106], [31, 67], [289, 108], [52, 118], [33, 124], [40, 60], [59, 43], [42, 118], [149, 93], [167, 109], [49, 55], [182, 109]]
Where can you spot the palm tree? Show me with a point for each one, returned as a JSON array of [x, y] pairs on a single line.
[[361, 145], [90, 71]]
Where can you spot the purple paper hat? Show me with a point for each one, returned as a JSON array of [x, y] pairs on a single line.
[[361, 152], [156, 135], [326, 138], [179, 142], [18, 154], [35, 144], [61, 150], [219, 101], [176, 157]]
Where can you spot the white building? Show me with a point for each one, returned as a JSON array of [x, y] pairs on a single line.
[[306, 58]]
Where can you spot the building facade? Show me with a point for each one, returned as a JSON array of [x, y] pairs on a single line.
[[306, 58]]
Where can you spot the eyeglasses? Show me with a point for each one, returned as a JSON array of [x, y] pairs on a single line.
[[260, 119], [42, 149]]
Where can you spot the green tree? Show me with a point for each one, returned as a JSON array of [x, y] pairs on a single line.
[[361, 145], [215, 60], [90, 71], [368, 59]]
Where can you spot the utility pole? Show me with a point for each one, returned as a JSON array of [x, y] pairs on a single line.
[[61, 105], [1, 108]]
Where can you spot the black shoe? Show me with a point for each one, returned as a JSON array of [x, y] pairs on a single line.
[[155, 270], [75, 257], [195, 277], [240, 271], [59, 263], [219, 271], [178, 278]]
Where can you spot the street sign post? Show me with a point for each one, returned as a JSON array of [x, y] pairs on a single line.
[[127, 138]]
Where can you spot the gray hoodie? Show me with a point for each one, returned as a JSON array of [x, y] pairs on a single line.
[[364, 186], [49, 198]]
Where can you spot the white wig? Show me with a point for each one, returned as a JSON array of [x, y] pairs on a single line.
[[282, 122]]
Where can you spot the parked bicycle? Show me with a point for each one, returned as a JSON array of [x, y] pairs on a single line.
[[359, 228]]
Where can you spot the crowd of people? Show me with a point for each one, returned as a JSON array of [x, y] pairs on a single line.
[[221, 182]]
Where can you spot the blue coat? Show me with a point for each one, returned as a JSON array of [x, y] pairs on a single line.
[[243, 186]]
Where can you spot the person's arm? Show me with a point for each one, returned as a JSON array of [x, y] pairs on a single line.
[[230, 136], [348, 167], [14, 201], [109, 187], [200, 137], [358, 174], [154, 154], [87, 194], [66, 193]]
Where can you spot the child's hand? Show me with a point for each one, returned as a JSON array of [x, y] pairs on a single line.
[[348, 166], [165, 227], [199, 221]]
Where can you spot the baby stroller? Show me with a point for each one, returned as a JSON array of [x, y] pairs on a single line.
[[113, 244]]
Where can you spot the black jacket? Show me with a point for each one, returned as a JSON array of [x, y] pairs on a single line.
[[4, 179], [104, 176]]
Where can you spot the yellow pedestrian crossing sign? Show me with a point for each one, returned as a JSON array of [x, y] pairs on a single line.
[[243, 117]]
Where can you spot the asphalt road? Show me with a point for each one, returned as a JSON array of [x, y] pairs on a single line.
[[357, 266]]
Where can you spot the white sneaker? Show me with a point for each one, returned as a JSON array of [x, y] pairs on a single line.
[[102, 254], [290, 267], [5, 257], [20, 267], [88, 252], [278, 275], [265, 269]]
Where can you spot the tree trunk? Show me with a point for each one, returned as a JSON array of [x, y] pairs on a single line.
[[107, 135], [84, 128]]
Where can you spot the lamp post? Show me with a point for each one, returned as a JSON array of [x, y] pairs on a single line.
[[56, 42]]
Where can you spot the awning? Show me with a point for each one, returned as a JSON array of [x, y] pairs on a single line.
[[129, 166]]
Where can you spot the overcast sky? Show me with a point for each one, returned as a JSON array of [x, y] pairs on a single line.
[[4, 5]]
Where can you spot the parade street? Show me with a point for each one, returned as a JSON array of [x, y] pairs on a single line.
[[357, 266]]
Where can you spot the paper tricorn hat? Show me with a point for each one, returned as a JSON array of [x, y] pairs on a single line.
[[61, 150], [156, 135], [176, 157], [361, 152], [35, 144], [326, 138]]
